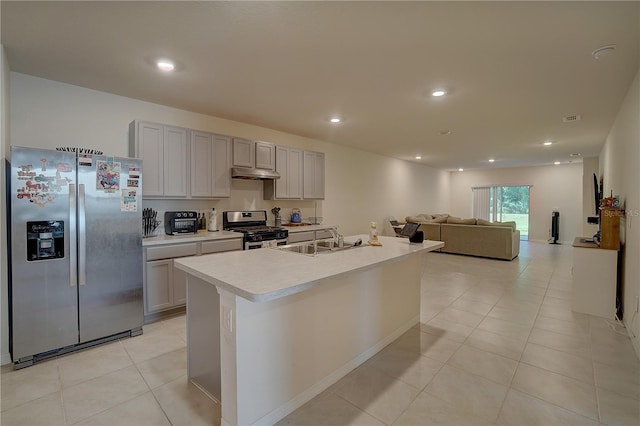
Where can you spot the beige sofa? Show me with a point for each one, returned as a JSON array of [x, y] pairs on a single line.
[[496, 240]]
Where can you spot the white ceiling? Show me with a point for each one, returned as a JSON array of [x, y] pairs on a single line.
[[512, 69]]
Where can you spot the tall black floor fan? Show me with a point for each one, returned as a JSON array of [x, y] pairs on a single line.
[[555, 227]]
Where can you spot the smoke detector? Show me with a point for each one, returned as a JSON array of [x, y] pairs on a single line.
[[572, 118]]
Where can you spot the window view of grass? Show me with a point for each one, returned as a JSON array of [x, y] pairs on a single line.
[[512, 204], [522, 223]]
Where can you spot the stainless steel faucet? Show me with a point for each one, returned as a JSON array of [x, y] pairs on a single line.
[[338, 239]]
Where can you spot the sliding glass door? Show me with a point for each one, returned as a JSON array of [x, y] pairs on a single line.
[[511, 203], [503, 204]]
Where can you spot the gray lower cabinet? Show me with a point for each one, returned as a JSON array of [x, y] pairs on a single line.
[[165, 286], [158, 291]]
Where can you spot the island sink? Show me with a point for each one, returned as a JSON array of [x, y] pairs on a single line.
[[318, 247]]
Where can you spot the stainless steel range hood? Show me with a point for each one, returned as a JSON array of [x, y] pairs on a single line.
[[253, 174]]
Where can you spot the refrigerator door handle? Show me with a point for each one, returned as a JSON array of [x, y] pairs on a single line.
[[82, 237], [73, 248]]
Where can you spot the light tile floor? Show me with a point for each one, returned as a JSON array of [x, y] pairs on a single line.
[[497, 344]]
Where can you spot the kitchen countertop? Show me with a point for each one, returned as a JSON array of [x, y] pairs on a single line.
[[190, 238], [268, 274], [219, 235]]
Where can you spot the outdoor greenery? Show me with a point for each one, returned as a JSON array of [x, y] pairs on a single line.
[[522, 223], [515, 200], [513, 205]]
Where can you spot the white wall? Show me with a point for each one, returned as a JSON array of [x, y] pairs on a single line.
[[360, 187], [554, 187], [4, 148], [620, 167]]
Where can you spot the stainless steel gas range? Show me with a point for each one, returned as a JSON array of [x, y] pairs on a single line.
[[253, 224]]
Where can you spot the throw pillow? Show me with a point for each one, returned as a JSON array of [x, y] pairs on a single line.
[[416, 219], [439, 219], [483, 222], [460, 221]]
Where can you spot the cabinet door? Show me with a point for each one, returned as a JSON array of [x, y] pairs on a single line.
[[265, 155], [295, 173], [175, 162], [179, 287], [243, 153], [282, 167], [201, 164], [313, 175], [221, 173], [289, 165], [158, 285], [150, 148]]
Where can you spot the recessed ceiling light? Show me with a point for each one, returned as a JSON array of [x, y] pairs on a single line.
[[491, 160], [335, 120], [461, 169], [165, 65], [444, 132], [418, 157], [577, 154], [603, 51], [556, 162], [438, 93], [547, 143]]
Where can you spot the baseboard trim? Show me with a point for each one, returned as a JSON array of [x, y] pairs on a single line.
[[5, 359], [304, 397]]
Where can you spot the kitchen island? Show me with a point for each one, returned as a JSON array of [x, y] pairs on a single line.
[[268, 330]]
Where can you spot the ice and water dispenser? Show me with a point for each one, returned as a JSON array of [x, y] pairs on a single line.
[[45, 240]]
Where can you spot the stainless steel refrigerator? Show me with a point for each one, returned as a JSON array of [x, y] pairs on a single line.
[[76, 251]]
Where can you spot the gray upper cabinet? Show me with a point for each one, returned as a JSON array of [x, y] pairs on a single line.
[[289, 166], [163, 150], [221, 173], [210, 165], [146, 141], [265, 155], [243, 153], [181, 163], [176, 149], [313, 181], [258, 154]]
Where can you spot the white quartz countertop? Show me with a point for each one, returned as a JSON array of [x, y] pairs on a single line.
[[190, 238], [306, 228], [268, 274]]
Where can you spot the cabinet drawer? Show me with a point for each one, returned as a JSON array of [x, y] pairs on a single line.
[[224, 245], [174, 250]]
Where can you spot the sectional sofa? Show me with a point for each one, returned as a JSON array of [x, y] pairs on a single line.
[[473, 237]]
